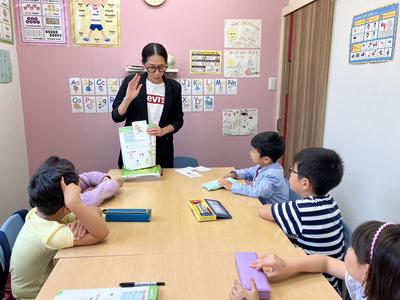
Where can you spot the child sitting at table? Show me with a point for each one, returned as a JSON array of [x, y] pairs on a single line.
[[265, 181], [371, 269], [58, 220], [95, 186], [313, 222]]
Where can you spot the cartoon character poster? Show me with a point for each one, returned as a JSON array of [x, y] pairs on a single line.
[[96, 22]]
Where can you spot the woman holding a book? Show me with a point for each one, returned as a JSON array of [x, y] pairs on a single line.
[[155, 98]]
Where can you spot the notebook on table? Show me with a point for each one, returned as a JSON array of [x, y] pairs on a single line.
[[132, 293]]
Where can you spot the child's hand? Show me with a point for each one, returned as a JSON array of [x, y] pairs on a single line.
[[239, 293], [77, 229], [133, 88], [276, 267], [120, 181], [231, 174], [72, 193], [225, 183]]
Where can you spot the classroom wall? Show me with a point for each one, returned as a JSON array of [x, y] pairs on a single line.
[[13, 160], [91, 140], [362, 124]]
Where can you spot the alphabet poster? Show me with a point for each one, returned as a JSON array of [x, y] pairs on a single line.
[[42, 21], [240, 121], [93, 95], [373, 35], [6, 22], [96, 22]]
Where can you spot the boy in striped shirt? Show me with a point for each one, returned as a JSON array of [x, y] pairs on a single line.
[[313, 222]]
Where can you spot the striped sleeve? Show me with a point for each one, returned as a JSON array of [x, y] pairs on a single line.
[[288, 217]]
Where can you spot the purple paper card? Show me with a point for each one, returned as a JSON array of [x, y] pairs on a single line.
[[246, 272]]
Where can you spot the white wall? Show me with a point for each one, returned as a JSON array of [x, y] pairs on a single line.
[[13, 156], [363, 123]]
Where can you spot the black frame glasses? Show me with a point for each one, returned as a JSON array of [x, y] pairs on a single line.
[[160, 68], [291, 170]]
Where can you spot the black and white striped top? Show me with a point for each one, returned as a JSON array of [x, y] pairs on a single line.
[[314, 224]]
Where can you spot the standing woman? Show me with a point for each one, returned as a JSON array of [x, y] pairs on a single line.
[[154, 98]]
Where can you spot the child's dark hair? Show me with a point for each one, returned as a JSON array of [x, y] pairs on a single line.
[[55, 161], [153, 49], [322, 167], [383, 276], [44, 188], [269, 143]]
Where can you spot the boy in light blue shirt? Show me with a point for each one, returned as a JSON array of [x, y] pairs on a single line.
[[265, 181]]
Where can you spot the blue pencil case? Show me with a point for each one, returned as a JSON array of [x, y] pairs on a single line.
[[214, 185], [127, 214]]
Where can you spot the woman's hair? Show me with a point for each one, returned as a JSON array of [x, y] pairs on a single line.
[[153, 49], [383, 278]]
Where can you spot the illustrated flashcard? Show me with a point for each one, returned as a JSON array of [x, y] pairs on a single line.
[[205, 61], [240, 121], [231, 86], [96, 22], [197, 86], [197, 102], [112, 86], [186, 84], [89, 103], [242, 63], [5, 66], [241, 33], [42, 21], [75, 86], [111, 100], [100, 86], [101, 104], [88, 86], [186, 103], [220, 86], [208, 103], [6, 22], [77, 104], [373, 35], [209, 86]]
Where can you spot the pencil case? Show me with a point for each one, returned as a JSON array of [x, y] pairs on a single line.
[[127, 214], [201, 210], [214, 185], [246, 272]]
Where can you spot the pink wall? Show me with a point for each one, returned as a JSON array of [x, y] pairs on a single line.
[[91, 140]]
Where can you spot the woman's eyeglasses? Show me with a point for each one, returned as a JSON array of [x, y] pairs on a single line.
[[291, 170], [160, 68]]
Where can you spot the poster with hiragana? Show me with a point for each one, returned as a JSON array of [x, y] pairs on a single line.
[[243, 33], [6, 22], [373, 35], [42, 21], [242, 63], [96, 22]]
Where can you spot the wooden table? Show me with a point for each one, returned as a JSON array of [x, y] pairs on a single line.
[[173, 227], [194, 276], [195, 259]]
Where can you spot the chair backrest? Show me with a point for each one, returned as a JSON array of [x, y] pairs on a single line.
[[8, 234], [185, 161], [347, 232]]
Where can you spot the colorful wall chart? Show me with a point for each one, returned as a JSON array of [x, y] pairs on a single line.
[[205, 62], [373, 35], [42, 21]]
